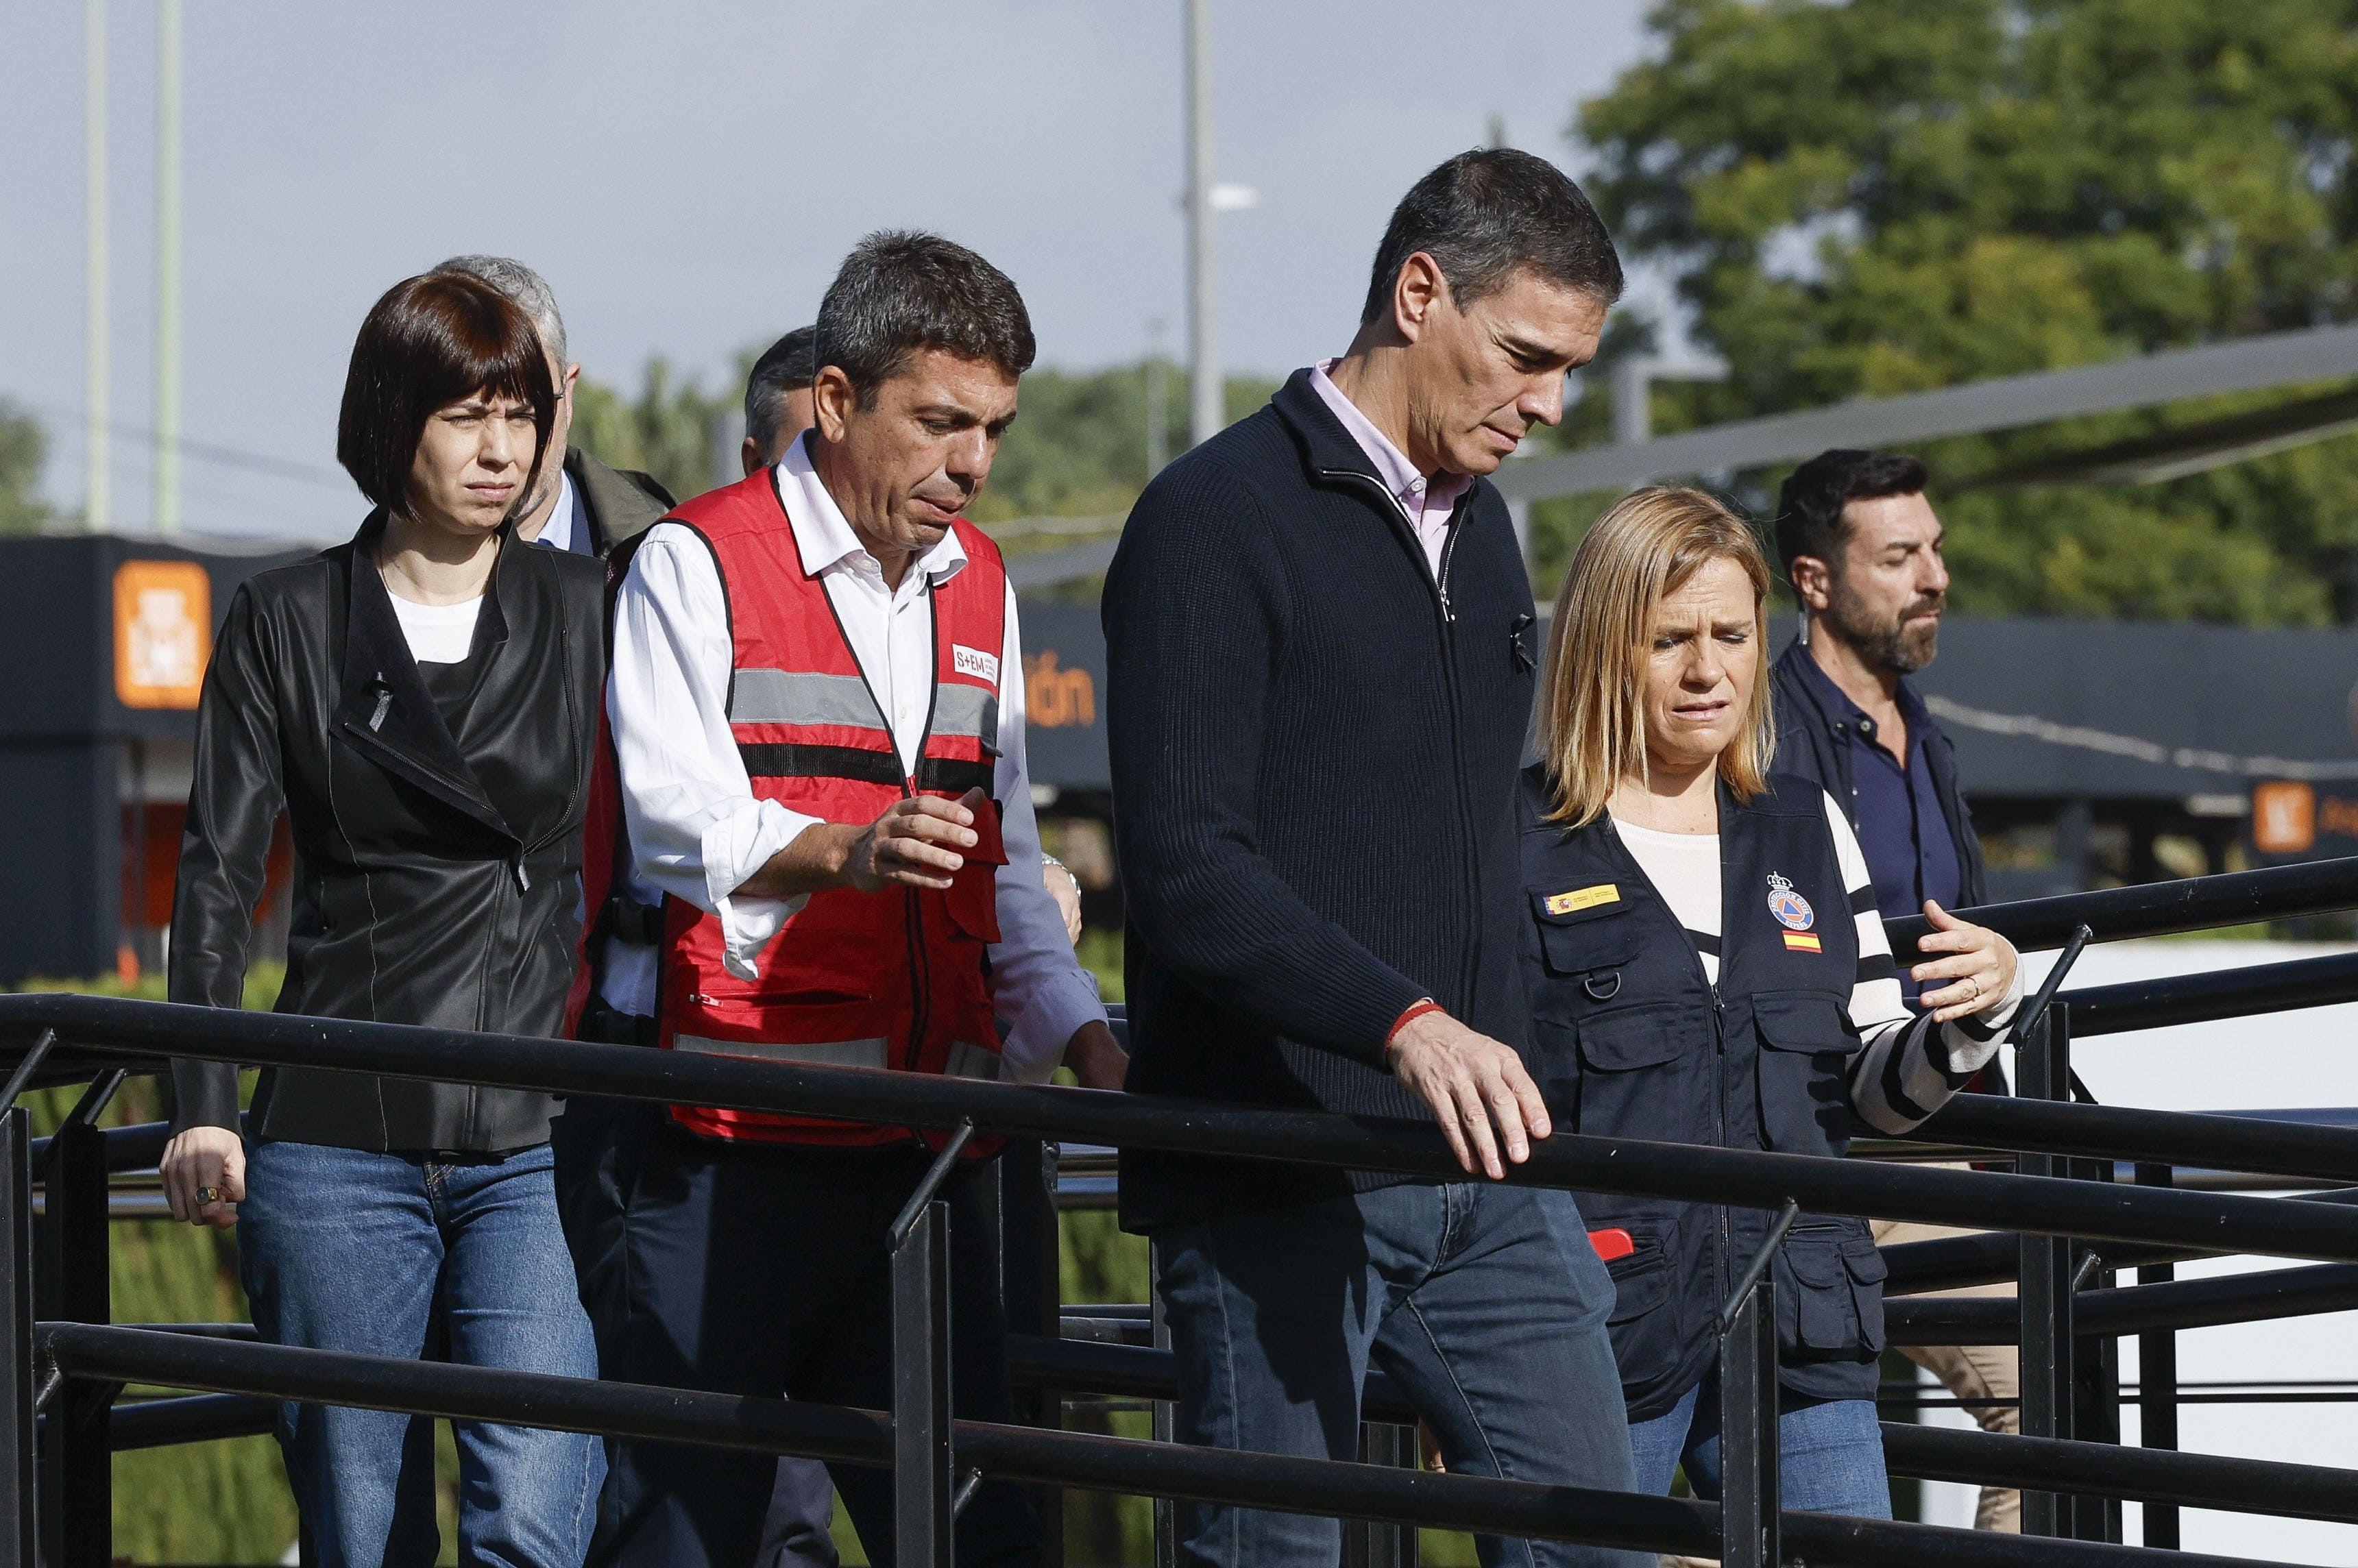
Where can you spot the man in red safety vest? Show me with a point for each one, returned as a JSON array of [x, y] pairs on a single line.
[[825, 854]]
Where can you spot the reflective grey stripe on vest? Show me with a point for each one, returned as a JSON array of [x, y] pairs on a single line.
[[967, 711], [797, 697], [825, 1054], [972, 1062]]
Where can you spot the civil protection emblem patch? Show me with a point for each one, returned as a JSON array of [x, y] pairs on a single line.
[[1791, 910]]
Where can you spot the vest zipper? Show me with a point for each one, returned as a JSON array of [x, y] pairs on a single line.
[[1718, 1032], [1439, 584]]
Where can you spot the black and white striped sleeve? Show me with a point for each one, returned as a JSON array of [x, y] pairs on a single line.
[[1907, 1066]]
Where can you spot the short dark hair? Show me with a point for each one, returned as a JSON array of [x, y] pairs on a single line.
[[901, 292], [1487, 214], [787, 365], [429, 342], [1810, 508]]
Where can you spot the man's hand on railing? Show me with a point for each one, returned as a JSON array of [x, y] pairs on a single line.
[[1469, 1080], [204, 1176]]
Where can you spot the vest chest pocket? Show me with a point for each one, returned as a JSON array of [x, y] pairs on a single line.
[[1586, 932], [1644, 1072], [1830, 1294], [1805, 1041]]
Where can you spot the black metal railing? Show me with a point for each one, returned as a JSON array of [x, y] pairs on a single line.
[[65, 1364]]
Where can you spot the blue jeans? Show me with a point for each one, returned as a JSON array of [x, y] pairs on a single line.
[[1829, 1452], [345, 1249], [1486, 1307]]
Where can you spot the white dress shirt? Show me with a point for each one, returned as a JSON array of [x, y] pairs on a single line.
[[697, 830]]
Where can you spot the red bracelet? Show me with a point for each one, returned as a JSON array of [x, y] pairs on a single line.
[[1415, 1011]]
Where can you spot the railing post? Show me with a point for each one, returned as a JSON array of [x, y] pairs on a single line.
[[1030, 1282], [924, 1502], [1367, 1544], [1165, 1511], [77, 1464], [2045, 1071], [1749, 1495], [921, 1392], [19, 1541], [2158, 1381]]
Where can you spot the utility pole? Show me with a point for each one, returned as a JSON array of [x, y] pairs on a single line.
[[97, 501], [1158, 417], [1205, 399], [167, 267], [1633, 387]]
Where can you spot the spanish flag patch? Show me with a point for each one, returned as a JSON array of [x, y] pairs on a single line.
[[1802, 942], [1579, 899]]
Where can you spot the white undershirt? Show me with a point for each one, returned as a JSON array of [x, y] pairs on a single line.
[[437, 633]]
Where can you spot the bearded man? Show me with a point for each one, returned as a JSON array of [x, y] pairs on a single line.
[[1862, 548]]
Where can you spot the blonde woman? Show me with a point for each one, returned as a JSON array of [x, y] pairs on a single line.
[[1706, 966]]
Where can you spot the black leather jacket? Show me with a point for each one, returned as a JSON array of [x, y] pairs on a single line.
[[437, 878]]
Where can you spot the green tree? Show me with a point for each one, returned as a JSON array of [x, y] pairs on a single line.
[[669, 431], [1077, 448], [1883, 196], [1079, 444], [22, 447]]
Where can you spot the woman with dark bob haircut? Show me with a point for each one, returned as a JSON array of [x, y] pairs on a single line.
[[422, 703]]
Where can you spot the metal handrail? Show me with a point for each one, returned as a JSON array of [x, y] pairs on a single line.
[[2164, 1137], [2158, 909], [2258, 1297], [1322, 1487], [2165, 1001], [2289, 1227]]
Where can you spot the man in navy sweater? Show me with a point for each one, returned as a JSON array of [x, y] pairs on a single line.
[[1320, 654]]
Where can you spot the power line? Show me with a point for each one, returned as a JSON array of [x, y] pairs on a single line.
[[212, 452]]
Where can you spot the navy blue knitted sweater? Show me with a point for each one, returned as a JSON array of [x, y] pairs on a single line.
[[1315, 750]]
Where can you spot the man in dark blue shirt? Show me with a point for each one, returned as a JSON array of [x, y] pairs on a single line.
[[1862, 547]]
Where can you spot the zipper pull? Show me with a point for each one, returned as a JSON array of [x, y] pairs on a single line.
[[384, 702], [523, 878]]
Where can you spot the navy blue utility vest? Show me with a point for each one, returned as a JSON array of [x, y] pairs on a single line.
[[1631, 1041]]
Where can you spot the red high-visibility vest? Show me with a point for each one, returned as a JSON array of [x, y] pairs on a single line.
[[894, 979]]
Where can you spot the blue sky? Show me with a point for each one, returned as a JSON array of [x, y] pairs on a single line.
[[689, 175]]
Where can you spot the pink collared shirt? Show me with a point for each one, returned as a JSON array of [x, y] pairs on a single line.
[[1426, 503]]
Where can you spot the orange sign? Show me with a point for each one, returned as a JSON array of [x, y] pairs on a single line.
[[2284, 819], [163, 632], [1055, 698]]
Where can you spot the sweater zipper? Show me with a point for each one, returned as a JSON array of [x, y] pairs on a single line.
[[1439, 583]]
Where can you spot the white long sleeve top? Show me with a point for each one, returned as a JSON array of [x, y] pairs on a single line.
[[696, 829]]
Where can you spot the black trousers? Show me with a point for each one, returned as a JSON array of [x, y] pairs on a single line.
[[598, 1146], [764, 1270]]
